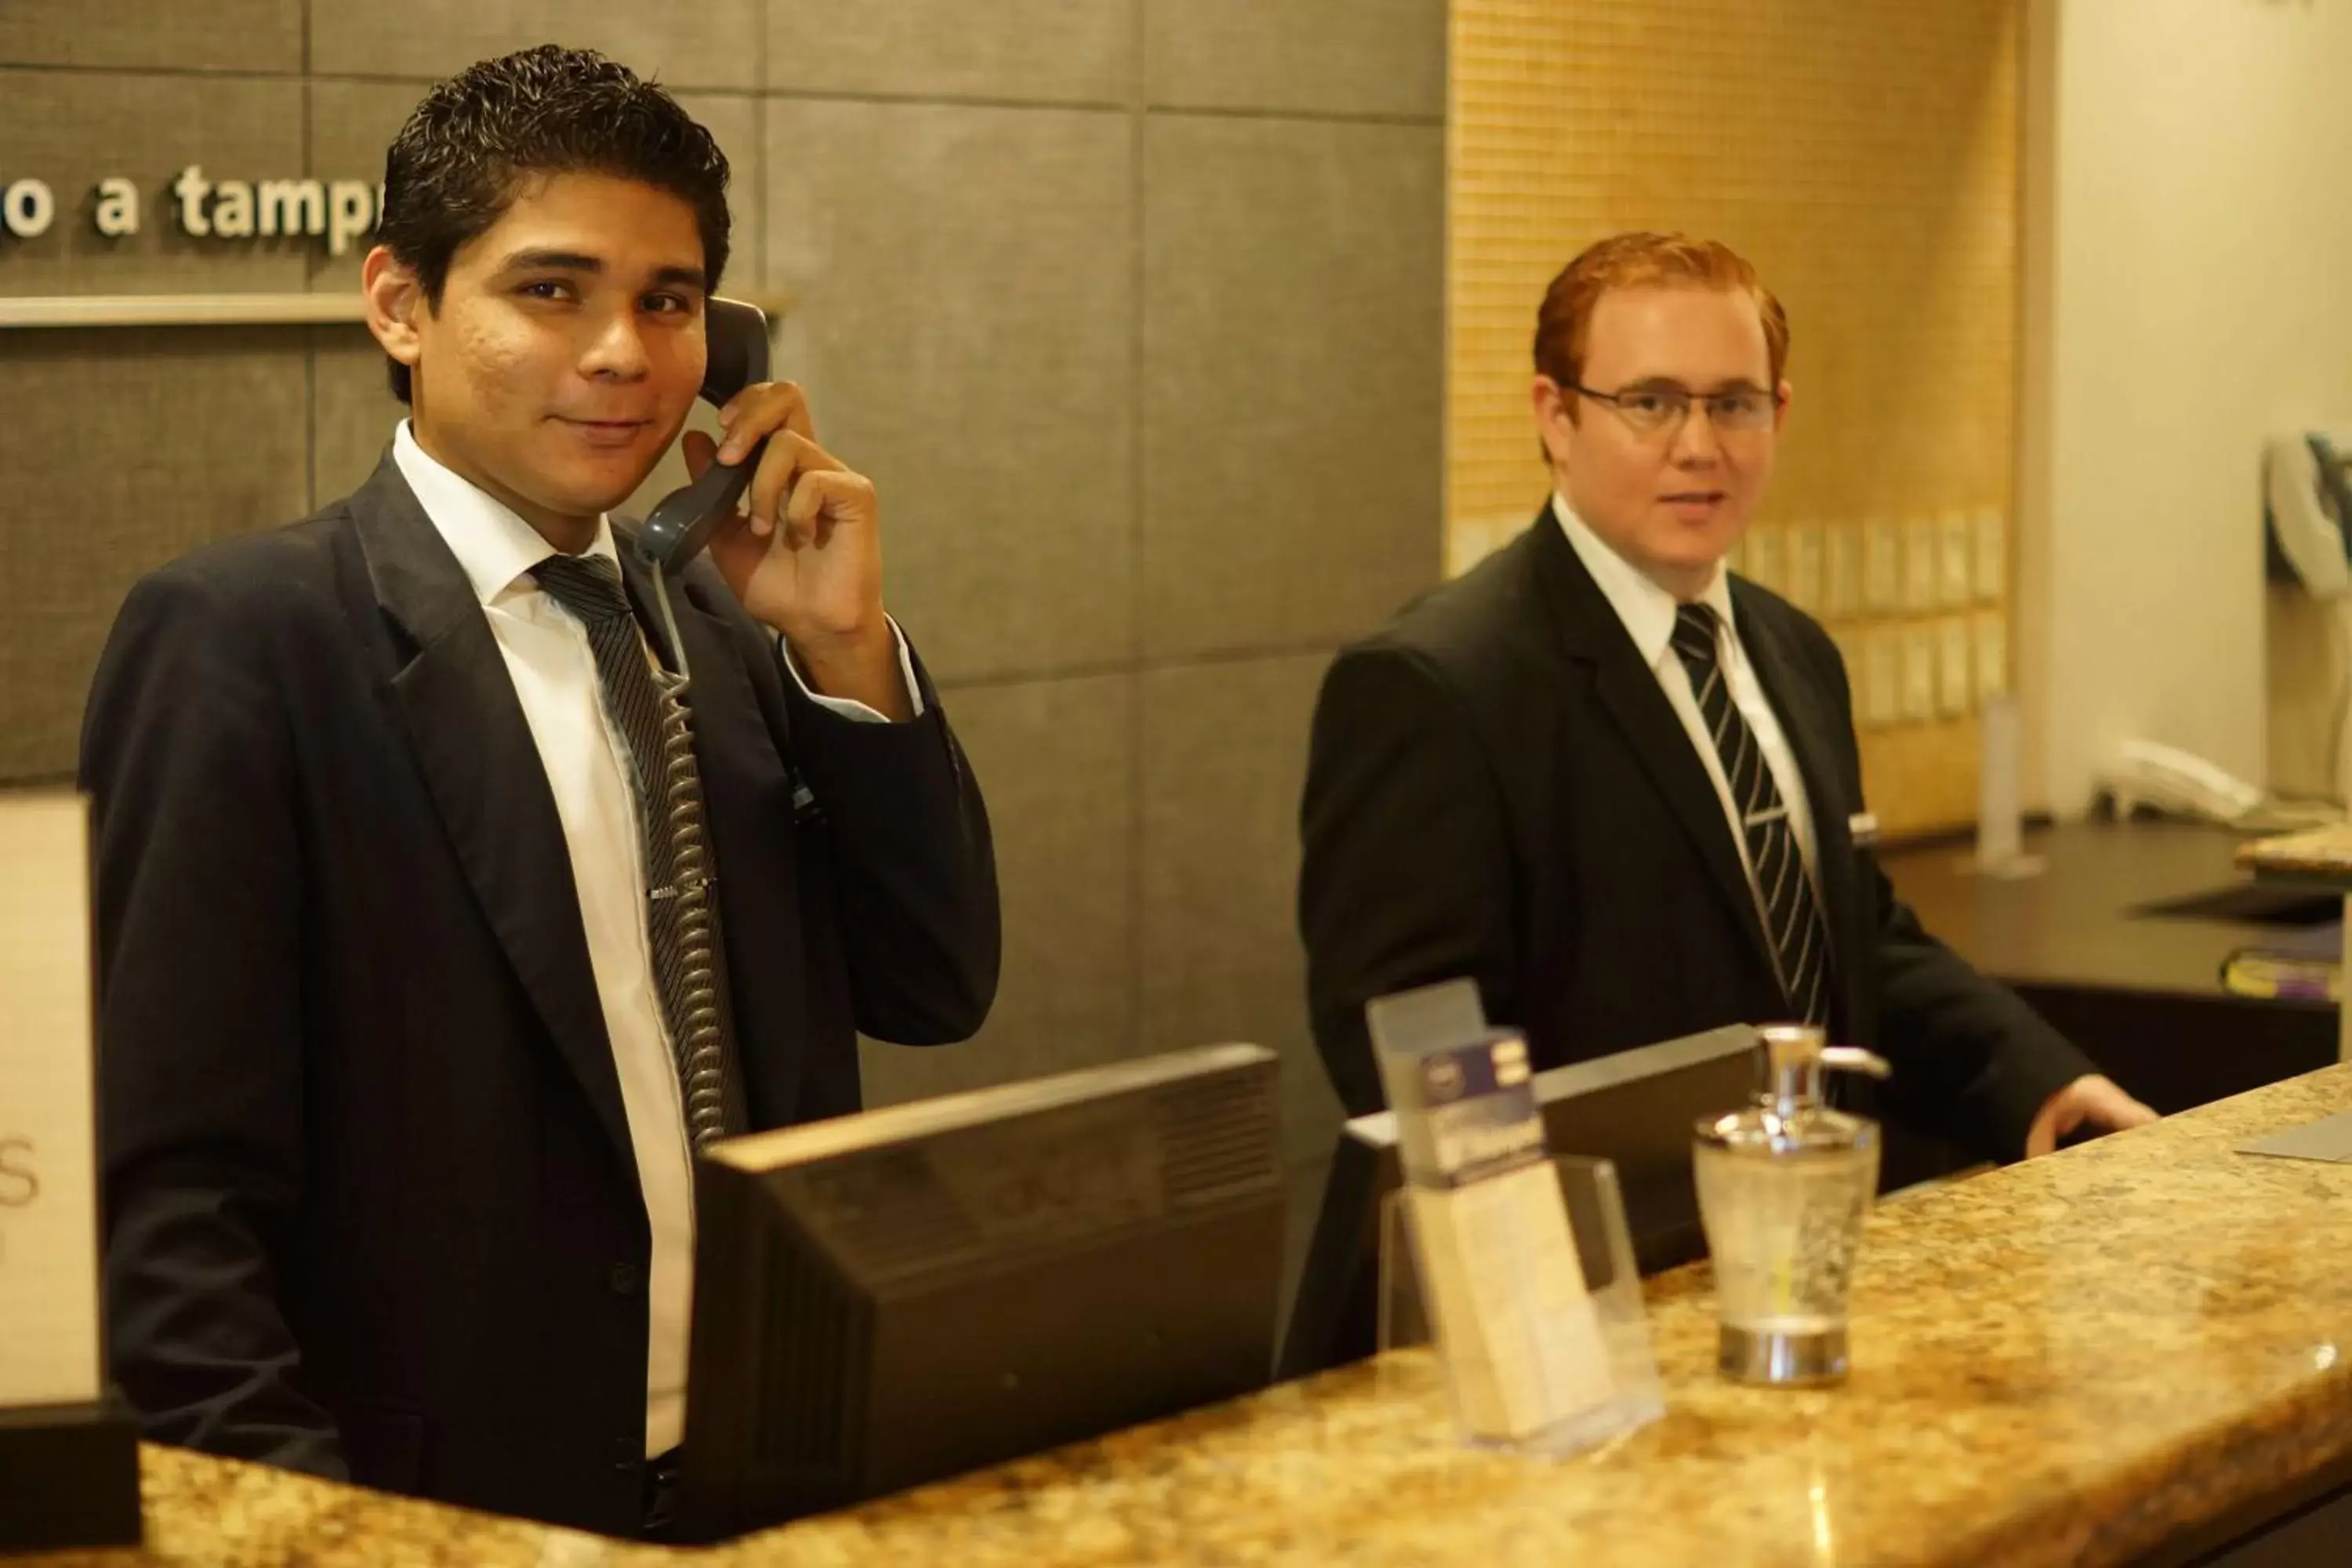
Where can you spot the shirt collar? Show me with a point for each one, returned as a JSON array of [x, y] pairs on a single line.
[[494, 546], [1646, 609]]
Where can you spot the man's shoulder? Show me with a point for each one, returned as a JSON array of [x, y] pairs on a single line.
[[262, 574], [1475, 629], [1759, 605]]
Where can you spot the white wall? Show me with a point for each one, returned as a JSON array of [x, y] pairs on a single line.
[[2189, 289]]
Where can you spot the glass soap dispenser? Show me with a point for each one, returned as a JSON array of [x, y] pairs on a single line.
[[1784, 1188]]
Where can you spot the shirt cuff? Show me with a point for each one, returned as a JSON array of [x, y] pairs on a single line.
[[850, 708]]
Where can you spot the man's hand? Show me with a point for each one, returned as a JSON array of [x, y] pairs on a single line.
[[806, 557], [2094, 1099]]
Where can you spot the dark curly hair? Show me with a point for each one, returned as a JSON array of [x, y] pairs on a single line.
[[452, 172]]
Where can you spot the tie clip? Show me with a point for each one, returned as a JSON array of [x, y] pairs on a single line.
[[1759, 819]]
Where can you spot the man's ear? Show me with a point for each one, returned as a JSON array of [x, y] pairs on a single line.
[[1781, 413], [1554, 410], [396, 303]]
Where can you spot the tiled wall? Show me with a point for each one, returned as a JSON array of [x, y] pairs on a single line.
[[1863, 154], [1133, 309]]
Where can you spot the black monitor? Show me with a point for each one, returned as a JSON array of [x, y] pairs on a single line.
[[1637, 1109], [906, 1294]]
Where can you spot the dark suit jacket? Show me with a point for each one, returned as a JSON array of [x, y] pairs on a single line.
[[372, 1207], [1499, 789]]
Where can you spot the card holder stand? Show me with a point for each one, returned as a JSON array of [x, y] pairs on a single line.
[[68, 1477], [1603, 1250]]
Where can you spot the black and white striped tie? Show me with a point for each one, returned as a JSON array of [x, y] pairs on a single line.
[[1790, 914], [681, 915]]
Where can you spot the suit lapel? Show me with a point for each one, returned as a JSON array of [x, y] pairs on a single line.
[[1592, 635], [1810, 728], [467, 726]]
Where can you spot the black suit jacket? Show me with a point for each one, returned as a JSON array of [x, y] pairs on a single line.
[[1499, 789], [371, 1209]]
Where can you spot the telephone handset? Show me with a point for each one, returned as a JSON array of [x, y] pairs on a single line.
[[2179, 782], [2308, 506], [2144, 772], [681, 525]]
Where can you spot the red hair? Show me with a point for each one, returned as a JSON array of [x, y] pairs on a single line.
[[1564, 324]]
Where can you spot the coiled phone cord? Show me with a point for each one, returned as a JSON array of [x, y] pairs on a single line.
[[701, 1046]]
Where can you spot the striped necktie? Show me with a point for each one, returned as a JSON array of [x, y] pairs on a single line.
[[681, 916], [1791, 915]]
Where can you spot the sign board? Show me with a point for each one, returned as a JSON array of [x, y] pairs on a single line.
[[49, 1337]]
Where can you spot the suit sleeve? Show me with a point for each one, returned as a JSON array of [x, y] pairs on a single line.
[[187, 753], [916, 888], [1972, 1061], [1405, 874], [1970, 1057]]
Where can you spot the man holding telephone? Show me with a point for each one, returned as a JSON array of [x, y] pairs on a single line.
[[453, 888]]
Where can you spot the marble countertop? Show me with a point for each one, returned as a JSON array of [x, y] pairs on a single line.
[[2063, 1363]]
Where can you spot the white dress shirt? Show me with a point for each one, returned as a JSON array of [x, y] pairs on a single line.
[[590, 773], [1648, 613]]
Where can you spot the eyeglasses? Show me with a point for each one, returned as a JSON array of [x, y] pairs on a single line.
[[1654, 410]]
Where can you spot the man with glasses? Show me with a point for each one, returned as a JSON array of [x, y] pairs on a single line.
[[1619, 787]]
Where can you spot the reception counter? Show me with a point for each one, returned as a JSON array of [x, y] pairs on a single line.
[[2133, 1350]]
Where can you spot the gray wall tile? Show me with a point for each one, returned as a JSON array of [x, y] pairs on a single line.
[[734, 124], [713, 43], [71, 129], [1293, 346], [147, 444], [1336, 56], [352, 411], [234, 35], [1030, 50], [975, 363], [1054, 760], [352, 123], [1225, 757]]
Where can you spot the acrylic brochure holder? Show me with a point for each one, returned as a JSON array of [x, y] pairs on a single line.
[[1613, 1391], [1518, 1268]]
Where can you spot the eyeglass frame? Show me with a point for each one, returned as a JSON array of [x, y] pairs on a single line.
[[1686, 398]]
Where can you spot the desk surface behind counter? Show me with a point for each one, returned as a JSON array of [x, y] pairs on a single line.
[[2078, 1361], [2140, 991]]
